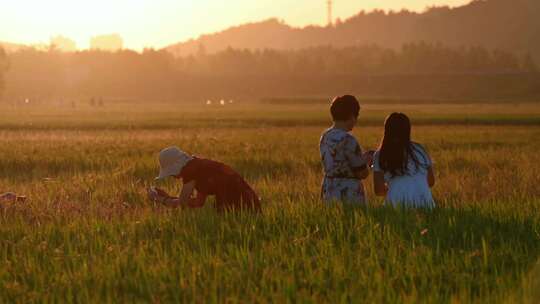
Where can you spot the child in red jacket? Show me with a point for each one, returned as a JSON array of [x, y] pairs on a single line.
[[202, 178]]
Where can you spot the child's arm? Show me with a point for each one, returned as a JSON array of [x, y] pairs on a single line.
[[185, 199], [362, 173], [358, 161], [197, 202], [429, 165], [379, 183], [431, 177], [380, 187]]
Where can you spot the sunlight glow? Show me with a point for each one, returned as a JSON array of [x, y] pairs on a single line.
[[158, 23]]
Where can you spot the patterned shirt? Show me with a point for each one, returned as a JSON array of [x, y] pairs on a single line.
[[341, 154], [341, 158]]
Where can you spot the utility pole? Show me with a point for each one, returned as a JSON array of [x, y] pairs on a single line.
[[330, 18]]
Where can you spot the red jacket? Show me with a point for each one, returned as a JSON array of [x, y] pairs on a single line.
[[215, 178]]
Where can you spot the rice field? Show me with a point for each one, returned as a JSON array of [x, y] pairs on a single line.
[[87, 233]]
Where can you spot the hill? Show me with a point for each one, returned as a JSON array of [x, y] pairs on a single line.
[[511, 25]]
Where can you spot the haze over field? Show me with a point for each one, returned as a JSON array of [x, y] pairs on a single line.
[[484, 50]]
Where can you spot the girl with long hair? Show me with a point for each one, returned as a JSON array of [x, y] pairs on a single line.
[[402, 169]]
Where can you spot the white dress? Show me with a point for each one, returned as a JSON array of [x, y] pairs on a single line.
[[411, 189]]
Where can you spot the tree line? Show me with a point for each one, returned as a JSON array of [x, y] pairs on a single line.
[[426, 70], [510, 25]]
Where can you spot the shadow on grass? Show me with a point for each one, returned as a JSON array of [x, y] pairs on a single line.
[[497, 249]]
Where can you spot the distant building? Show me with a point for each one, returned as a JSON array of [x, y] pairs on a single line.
[[111, 42], [63, 44], [41, 46]]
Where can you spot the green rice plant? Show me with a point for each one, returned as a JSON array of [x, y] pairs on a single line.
[[88, 234]]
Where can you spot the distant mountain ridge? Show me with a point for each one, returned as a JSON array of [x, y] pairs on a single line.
[[512, 25]]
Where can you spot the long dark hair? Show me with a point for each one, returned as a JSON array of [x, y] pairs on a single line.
[[396, 147]]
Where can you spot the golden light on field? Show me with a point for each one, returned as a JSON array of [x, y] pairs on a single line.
[[158, 23]]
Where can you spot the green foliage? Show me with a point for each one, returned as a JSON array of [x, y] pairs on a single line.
[[87, 233], [418, 70]]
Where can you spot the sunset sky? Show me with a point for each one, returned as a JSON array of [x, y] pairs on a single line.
[[157, 23]]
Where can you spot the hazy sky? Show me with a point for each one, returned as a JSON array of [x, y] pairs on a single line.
[[157, 23]]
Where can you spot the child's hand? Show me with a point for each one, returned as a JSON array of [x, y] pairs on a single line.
[[161, 192], [368, 157], [156, 194], [153, 195]]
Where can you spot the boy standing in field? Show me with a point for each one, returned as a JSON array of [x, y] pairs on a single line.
[[344, 164]]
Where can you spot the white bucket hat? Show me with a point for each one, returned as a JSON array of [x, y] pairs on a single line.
[[171, 161]]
